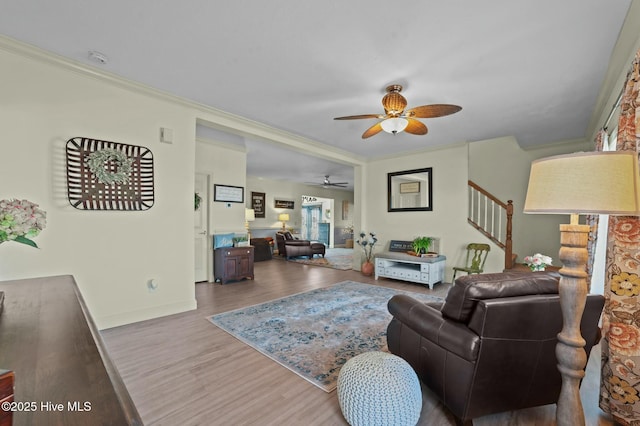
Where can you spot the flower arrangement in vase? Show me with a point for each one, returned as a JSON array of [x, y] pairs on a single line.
[[367, 242], [21, 220], [538, 262]]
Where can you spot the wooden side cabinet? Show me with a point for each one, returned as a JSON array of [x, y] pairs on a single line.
[[6, 395], [233, 263]]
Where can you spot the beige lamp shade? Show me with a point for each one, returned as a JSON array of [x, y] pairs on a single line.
[[249, 215], [283, 217], [585, 183]]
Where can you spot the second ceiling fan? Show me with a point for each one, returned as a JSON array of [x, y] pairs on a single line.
[[327, 183], [396, 119]]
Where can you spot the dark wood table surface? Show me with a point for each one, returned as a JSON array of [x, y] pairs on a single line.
[[63, 375]]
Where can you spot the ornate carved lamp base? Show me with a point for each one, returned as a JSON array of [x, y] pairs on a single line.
[[572, 358]]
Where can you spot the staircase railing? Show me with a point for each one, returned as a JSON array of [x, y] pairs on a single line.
[[493, 218]]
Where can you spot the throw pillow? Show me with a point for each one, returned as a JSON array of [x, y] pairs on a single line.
[[223, 240]]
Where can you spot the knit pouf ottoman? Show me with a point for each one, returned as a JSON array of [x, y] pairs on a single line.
[[377, 388]]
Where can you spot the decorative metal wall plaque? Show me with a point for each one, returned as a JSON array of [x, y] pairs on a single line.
[[103, 175]]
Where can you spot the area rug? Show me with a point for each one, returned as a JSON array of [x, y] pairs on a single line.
[[314, 333], [335, 258]]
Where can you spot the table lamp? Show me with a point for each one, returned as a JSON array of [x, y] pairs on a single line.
[[249, 216], [283, 217], [580, 183]]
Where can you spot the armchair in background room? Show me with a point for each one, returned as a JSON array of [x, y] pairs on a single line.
[[490, 346]]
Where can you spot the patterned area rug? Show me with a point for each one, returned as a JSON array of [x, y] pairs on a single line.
[[314, 333], [336, 258]]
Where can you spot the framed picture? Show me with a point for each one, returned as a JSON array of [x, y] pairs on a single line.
[[227, 193], [345, 209], [409, 187], [257, 203], [284, 204], [410, 190]]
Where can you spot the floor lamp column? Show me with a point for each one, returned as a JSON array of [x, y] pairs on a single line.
[[570, 352], [579, 183]]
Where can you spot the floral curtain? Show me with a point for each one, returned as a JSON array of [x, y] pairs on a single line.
[[620, 379]]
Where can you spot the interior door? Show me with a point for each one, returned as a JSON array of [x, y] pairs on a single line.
[[323, 233], [311, 216], [200, 228]]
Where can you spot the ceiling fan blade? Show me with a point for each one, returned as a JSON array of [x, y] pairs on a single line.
[[373, 130], [416, 127], [431, 111], [358, 117]]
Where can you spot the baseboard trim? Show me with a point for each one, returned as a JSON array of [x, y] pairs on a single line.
[[125, 318]]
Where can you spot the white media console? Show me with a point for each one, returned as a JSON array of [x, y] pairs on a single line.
[[403, 266]]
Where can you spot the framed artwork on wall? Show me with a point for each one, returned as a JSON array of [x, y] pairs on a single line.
[[410, 188], [284, 204], [345, 209], [257, 203], [228, 193]]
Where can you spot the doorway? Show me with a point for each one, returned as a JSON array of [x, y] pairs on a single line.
[[317, 219], [201, 228]]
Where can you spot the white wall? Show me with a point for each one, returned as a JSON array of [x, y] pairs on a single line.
[[501, 167], [447, 221], [283, 190], [112, 254], [226, 165]]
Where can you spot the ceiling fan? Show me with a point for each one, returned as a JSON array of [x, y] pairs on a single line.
[[396, 119], [327, 183]]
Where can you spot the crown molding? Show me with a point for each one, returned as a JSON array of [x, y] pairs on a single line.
[[577, 144], [620, 61], [205, 114], [404, 154], [220, 144]]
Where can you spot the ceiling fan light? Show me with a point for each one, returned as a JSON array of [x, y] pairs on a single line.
[[394, 103], [394, 125]]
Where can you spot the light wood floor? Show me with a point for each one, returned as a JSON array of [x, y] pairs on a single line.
[[182, 370]]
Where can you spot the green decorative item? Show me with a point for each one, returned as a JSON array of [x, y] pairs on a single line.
[[240, 241], [98, 163], [421, 244], [21, 220], [198, 200]]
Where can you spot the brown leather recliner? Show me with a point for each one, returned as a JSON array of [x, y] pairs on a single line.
[[490, 347], [291, 247]]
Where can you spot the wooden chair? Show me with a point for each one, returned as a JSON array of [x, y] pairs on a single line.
[[476, 256]]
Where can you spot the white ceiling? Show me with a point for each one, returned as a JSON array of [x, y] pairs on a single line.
[[528, 68]]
